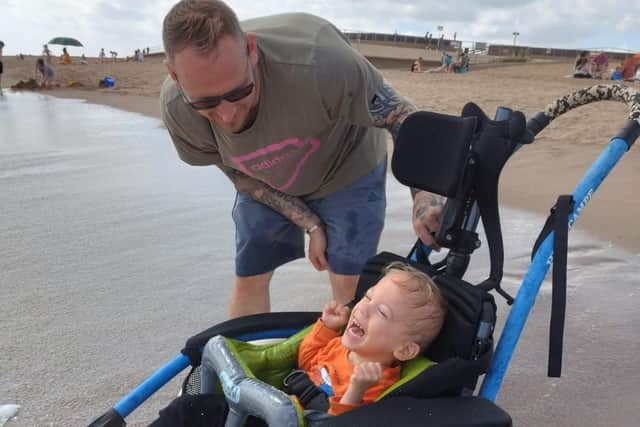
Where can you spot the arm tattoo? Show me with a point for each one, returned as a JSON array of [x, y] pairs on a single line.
[[424, 201], [437, 201], [389, 109], [294, 208]]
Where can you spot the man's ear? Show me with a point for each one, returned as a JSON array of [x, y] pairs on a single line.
[[172, 72], [406, 351], [252, 46]]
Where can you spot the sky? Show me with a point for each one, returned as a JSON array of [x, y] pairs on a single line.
[[123, 26]]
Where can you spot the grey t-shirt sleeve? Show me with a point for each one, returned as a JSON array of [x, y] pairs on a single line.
[[191, 133], [346, 80]]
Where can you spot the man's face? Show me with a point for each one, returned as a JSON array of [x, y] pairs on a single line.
[[228, 72]]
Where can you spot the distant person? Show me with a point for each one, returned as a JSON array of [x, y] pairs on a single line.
[[147, 51], [83, 60], [44, 73], [102, 55], [66, 58], [598, 65], [617, 74], [114, 55], [416, 66], [445, 62], [461, 64], [140, 56], [1, 65], [581, 65], [46, 53]]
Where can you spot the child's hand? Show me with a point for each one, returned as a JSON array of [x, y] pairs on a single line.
[[364, 375], [334, 315]]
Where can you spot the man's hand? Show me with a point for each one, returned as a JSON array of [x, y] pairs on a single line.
[[427, 210], [318, 248], [364, 376], [335, 316]]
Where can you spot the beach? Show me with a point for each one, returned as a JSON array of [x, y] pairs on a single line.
[[532, 179], [115, 252]]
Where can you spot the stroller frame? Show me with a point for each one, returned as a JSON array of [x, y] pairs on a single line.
[[528, 291]]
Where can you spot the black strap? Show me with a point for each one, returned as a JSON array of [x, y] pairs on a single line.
[[310, 396], [563, 209]]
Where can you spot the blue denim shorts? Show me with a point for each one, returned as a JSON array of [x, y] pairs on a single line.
[[353, 216]]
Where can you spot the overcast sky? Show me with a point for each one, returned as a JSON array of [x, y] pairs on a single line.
[[124, 26]]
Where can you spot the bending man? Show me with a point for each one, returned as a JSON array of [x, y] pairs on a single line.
[[294, 117]]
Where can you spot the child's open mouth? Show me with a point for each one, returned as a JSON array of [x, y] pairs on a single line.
[[355, 328]]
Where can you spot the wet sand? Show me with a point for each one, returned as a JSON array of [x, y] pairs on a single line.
[[533, 178], [114, 253]]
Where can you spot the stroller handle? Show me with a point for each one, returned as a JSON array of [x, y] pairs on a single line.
[[628, 95]]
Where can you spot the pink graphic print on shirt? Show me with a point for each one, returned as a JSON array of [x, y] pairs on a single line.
[[279, 164]]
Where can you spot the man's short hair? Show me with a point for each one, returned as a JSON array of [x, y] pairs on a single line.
[[198, 24]]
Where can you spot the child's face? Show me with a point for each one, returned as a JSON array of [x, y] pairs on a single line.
[[378, 326]]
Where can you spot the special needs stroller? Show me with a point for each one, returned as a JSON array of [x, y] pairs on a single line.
[[460, 158]]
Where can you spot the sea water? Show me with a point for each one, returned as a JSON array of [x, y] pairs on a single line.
[[113, 252]]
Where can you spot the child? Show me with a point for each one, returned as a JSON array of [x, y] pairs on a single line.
[[416, 66], [393, 323], [44, 73]]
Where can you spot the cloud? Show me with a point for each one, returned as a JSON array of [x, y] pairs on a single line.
[[124, 25]]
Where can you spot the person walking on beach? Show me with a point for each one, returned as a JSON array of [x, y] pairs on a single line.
[[294, 117], [46, 53]]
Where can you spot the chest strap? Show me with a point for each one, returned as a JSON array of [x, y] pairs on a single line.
[[310, 396]]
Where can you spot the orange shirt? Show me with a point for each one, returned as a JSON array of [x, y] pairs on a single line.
[[324, 358]]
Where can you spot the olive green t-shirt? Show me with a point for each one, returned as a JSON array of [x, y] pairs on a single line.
[[313, 134]]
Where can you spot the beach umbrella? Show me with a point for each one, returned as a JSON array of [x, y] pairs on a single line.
[[65, 41]]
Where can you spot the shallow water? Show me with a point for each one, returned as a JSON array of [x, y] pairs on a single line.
[[114, 252]]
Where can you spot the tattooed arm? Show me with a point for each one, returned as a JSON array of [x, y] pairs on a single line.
[[389, 109], [293, 208]]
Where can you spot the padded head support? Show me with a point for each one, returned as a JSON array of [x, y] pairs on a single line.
[[461, 158], [431, 151]]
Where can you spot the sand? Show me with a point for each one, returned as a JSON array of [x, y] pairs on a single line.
[[532, 179]]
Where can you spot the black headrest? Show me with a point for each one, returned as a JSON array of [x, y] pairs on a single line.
[[431, 150]]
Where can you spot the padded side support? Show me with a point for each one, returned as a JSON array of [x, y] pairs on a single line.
[[494, 144], [245, 395]]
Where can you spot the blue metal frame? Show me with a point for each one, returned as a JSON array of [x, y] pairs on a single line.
[[539, 267]]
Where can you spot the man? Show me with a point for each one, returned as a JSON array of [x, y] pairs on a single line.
[[293, 116]]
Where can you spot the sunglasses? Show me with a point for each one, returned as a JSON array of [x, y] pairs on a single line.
[[213, 101], [235, 95]]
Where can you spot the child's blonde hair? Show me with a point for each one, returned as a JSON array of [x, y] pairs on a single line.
[[425, 300]]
